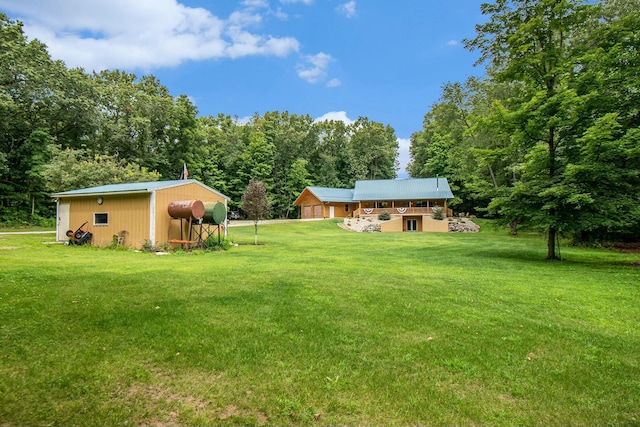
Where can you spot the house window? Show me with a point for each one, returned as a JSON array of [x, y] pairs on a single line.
[[421, 204], [346, 207], [412, 225], [100, 219]]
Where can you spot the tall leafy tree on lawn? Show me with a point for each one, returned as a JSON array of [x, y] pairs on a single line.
[[530, 41]]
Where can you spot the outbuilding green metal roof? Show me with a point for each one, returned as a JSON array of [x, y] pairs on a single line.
[[326, 194], [402, 189], [133, 187]]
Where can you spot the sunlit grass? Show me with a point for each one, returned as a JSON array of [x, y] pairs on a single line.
[[320, 326]]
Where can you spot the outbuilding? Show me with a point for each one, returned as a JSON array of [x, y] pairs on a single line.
[[137, 212]]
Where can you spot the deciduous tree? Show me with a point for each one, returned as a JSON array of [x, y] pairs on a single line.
[[255, 204], [529, 41]]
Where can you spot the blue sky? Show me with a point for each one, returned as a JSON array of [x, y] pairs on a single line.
[[341, 59]]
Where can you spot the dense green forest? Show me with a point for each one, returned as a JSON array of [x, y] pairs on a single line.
[[550, 137]]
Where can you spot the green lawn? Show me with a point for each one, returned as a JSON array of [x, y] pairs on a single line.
[[320, 326]]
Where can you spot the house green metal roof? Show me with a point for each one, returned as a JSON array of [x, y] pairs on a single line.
[[402, 189], [325, 194], [386, 189], [133, 187]]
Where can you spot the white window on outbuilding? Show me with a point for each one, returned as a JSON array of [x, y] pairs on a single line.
[[101, 218]]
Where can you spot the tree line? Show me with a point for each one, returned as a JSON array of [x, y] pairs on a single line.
[[64, 129], [551, 136]]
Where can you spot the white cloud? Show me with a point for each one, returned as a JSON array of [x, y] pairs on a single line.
[[334, 83], [314, 69], [307, 2], [452, 43], [256, 3], [144, 34], [338, 116], [348, 9]]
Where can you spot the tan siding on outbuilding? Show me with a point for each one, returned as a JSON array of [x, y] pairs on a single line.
[[126, 212], [167, 229], [142, 215]]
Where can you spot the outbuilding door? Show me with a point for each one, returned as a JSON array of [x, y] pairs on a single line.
[[62, 224], [332, 211], [306, 212], [317, 211]]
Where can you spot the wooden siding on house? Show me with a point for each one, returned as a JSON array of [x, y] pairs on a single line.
[[307, 201], [339, 209], [311, 207]]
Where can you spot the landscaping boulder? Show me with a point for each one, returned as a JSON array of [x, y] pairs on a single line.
[[463, 225]]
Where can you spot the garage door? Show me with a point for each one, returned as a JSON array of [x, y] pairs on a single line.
[[317, 211], [306, 212]]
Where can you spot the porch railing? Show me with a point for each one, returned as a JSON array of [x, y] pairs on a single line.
[[398, 211]]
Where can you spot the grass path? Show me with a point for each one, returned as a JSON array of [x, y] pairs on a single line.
[[320, 326]]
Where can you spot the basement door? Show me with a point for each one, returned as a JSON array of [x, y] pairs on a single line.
[[62, 224]]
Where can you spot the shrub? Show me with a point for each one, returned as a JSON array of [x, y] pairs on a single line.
[[437, 213], [211, 243], [162, 247], [384, 216], [147, 246]]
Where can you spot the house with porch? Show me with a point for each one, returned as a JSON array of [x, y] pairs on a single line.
[[409, 202]]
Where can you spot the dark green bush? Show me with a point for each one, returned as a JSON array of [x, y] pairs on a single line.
[[384, 216]]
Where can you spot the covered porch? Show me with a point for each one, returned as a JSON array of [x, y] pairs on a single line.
[[401, 207]]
